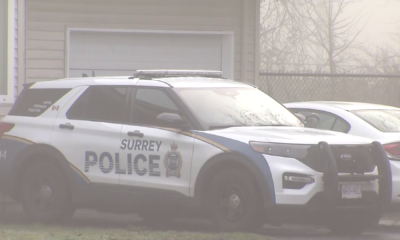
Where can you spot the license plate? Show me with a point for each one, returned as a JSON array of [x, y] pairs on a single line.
[[351, 191]]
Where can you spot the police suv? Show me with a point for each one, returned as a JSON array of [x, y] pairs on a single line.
[[170, 143]]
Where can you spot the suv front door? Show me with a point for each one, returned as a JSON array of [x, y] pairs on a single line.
[[158, 159]]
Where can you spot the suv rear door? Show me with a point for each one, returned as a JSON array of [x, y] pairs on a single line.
[[88, 132]]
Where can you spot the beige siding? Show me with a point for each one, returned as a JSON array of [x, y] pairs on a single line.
[[47, 21], [4, 108]]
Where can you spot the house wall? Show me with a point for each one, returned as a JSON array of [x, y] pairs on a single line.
[[47, 22]]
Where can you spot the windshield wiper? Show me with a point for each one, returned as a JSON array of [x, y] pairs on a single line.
[[223, 126]]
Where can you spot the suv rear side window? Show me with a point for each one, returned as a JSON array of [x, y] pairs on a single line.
[[33, 102], [101, 104]]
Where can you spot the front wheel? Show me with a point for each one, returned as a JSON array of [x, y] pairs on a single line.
[[234, 202], [45, 194]]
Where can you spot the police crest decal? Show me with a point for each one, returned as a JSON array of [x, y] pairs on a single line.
[[173, 162]]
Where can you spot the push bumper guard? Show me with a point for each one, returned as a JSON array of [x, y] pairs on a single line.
[[331, 195]]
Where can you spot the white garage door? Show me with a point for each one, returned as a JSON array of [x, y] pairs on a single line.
[[106, 53]]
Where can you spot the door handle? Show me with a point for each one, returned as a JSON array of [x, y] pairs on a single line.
[[135, 134], [67, 126]]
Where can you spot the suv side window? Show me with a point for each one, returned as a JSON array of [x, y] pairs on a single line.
[[32, 102], [149, 103], [101, 104]]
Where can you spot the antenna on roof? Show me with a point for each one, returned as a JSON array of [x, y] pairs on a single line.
[[84, 75]]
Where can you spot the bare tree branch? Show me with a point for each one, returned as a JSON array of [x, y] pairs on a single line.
[[309, 32]]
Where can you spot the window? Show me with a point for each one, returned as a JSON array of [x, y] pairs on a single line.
[[34, 102], [383, 120], [327, 121], [227, 106], [7, 51], [102, 104], [341, 126], [149, 103]]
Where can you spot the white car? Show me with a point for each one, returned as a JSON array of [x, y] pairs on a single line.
[[378, 122], [168, 143]]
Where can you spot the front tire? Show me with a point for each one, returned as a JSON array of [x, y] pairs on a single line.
[[45, 194], [234, 202]]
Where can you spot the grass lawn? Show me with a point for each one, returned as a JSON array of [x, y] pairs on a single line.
[[45, 232]]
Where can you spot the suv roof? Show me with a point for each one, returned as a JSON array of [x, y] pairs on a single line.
[[160, 78]]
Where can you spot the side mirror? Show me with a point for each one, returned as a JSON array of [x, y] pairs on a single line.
[[312, 120], [171, 120]]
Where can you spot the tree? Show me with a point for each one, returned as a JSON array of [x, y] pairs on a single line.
[[333, 32], [283, 36], [382, 59], [291, 30]]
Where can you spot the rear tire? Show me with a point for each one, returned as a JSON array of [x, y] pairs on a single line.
[[234, 203], [45, 194]]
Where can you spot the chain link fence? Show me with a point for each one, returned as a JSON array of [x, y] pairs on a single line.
[[295, 87]]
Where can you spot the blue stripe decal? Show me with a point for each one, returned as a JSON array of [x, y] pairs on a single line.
[[244, 149]]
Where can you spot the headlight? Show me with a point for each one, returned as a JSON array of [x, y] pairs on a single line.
[[297, 151]]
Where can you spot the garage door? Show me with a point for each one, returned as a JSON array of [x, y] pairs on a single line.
[[106, 53]]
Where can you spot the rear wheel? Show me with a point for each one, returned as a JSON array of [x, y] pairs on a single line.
[[234, 202], [44, 193]]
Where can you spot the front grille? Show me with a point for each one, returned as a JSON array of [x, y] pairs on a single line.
[[354, 159], [349, 158]]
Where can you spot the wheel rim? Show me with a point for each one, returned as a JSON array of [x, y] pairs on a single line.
[[41, 194], [232, 203]]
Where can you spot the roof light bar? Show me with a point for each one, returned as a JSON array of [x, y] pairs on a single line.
[[177, 73]]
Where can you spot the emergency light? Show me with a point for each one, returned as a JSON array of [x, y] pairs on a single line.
[[176, 73]]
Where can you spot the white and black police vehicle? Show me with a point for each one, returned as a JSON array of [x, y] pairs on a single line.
[[171, 143]]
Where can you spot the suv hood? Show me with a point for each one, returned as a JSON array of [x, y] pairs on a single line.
[[291, 135]]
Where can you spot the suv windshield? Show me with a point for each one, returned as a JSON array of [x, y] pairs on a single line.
[[225, 107], [382, 119]]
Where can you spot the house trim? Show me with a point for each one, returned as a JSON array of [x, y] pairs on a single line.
[[9, 98], [245, 13], [21, 44], [257, 44], [227, 43]]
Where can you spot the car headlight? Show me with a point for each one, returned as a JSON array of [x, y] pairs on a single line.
[[298, 151]]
